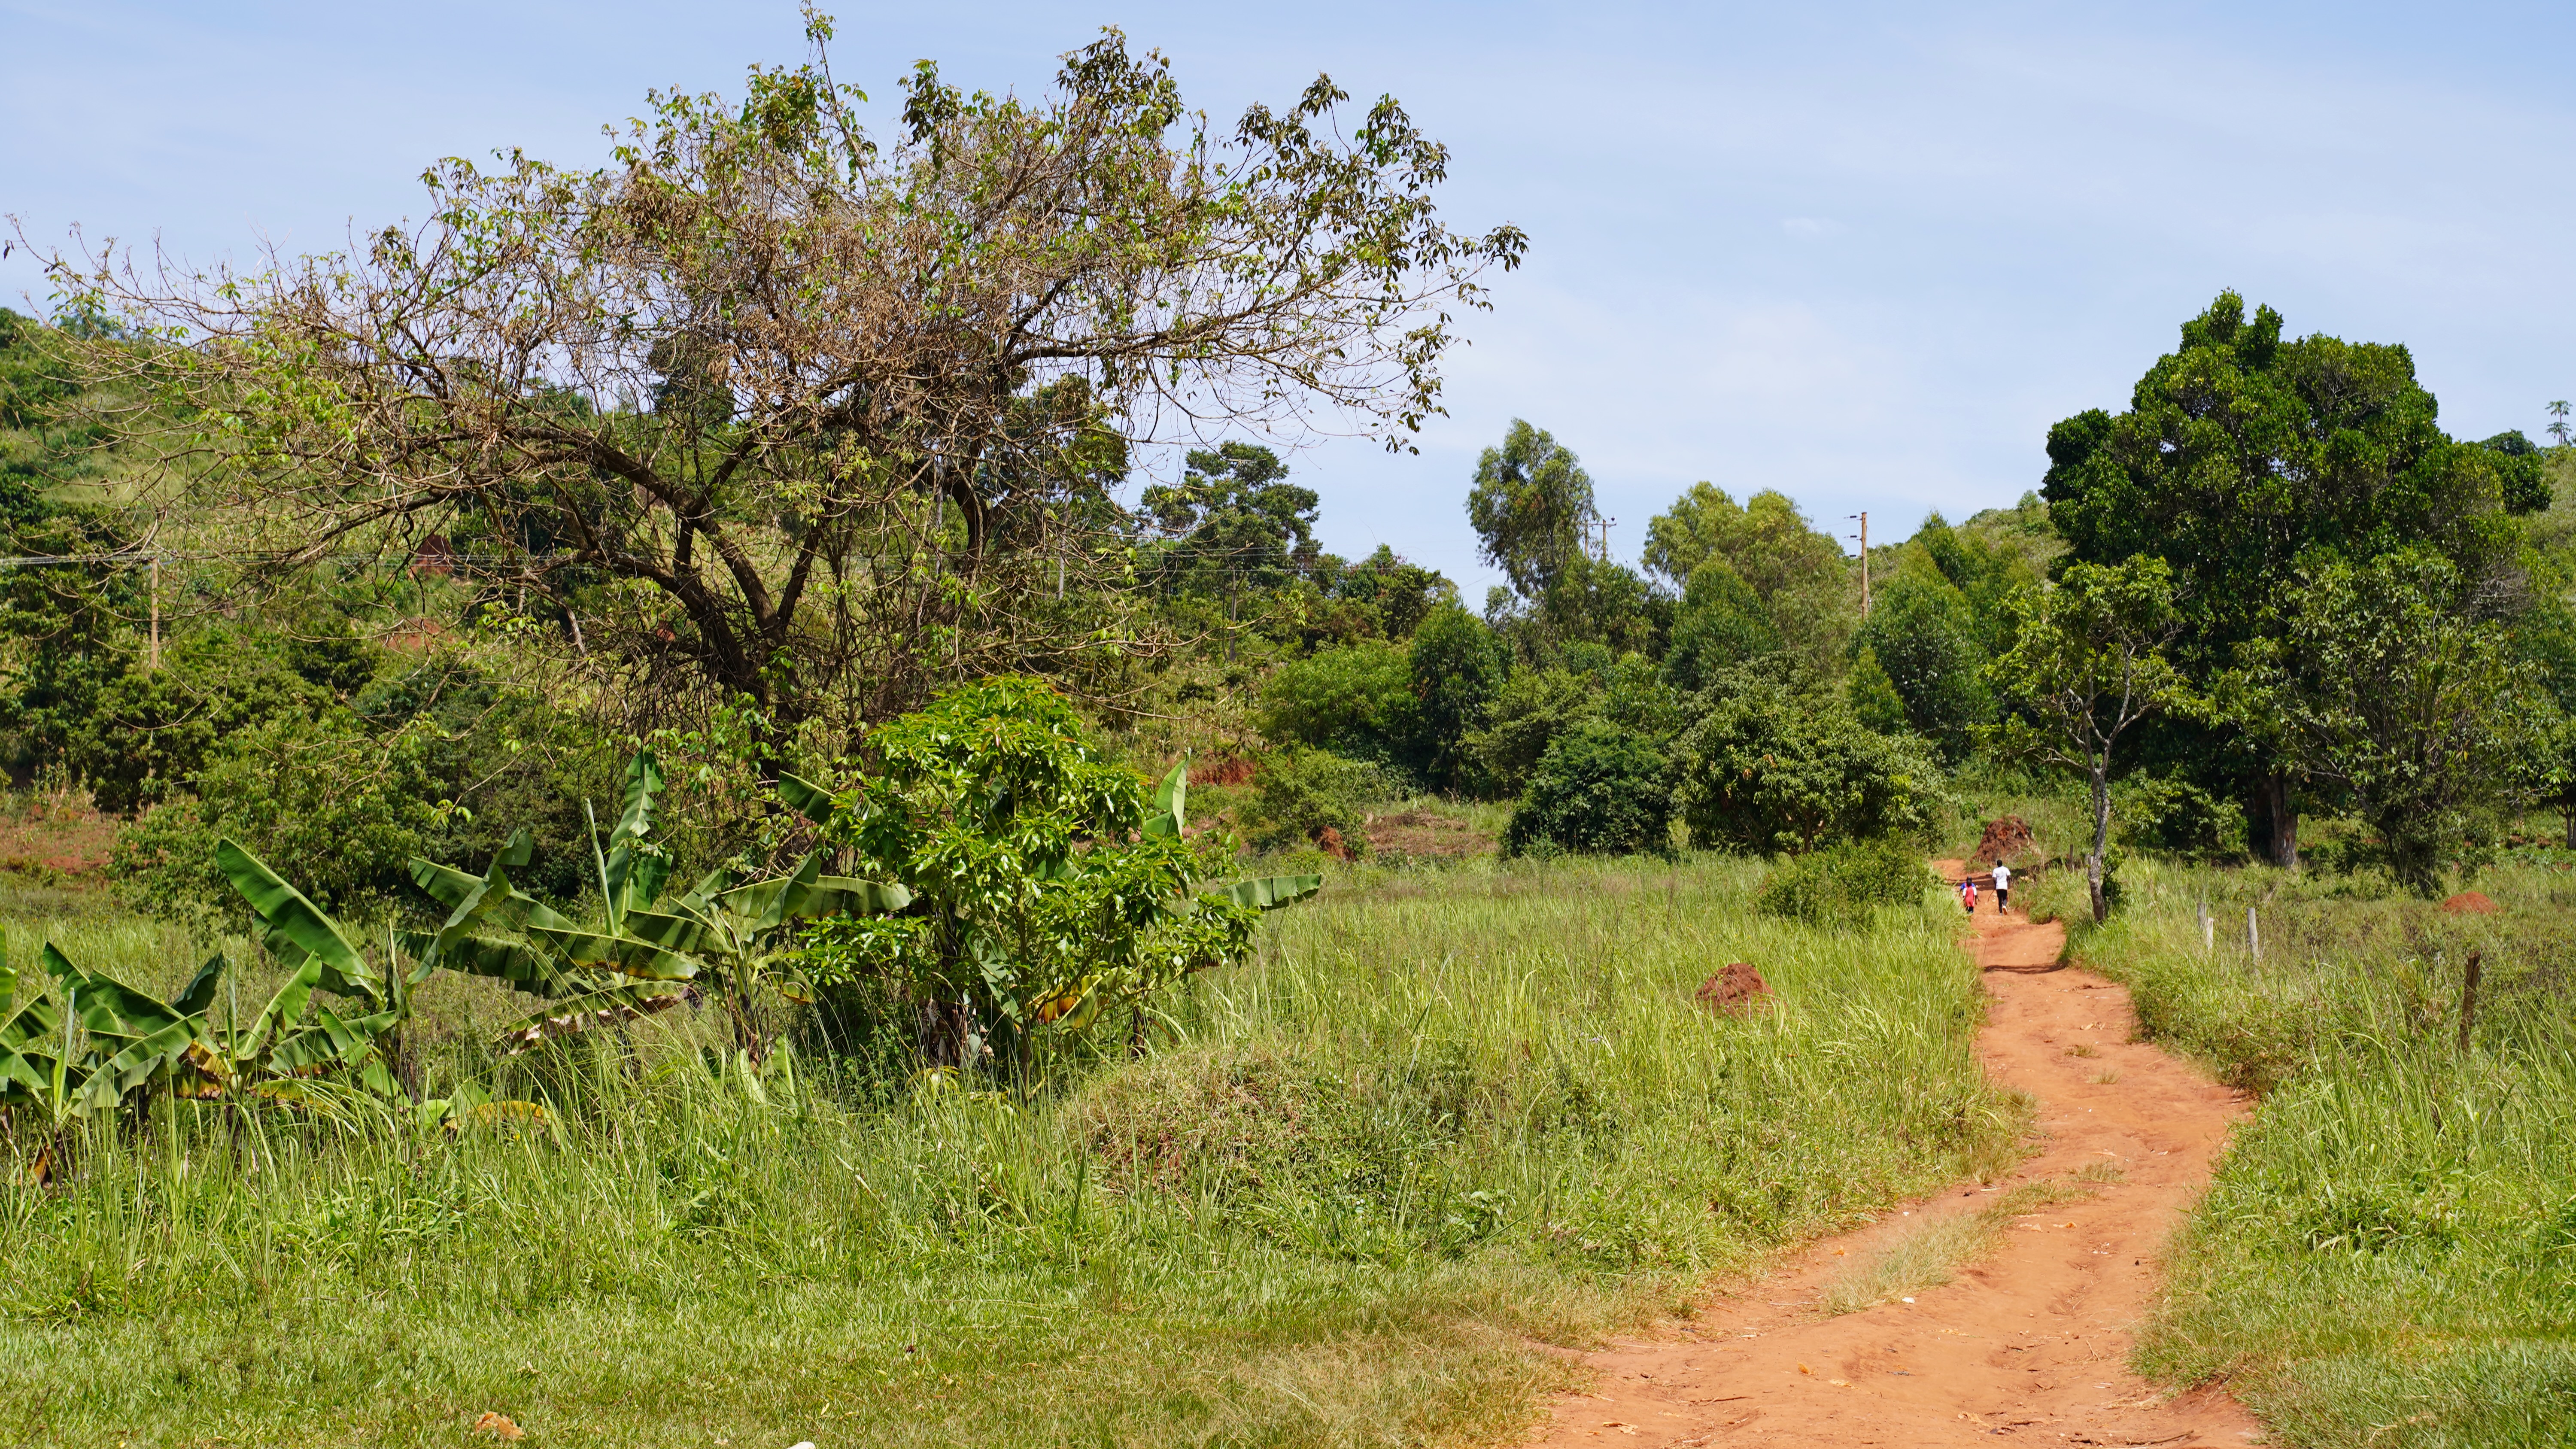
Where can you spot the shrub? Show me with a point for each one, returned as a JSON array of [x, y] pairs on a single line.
[[1845, 884], [1772, 769], [1300, 794], [1356, 698], [1600, 790], [2179, 818]]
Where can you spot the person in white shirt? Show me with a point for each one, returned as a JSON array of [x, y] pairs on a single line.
[[2003, 887]]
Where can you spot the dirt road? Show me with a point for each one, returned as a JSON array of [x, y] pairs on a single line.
[[2029, 1341]]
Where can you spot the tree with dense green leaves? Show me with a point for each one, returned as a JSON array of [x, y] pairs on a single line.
[[1871, 695], [1458, 667], [1043, 885], [783, 409], [2392, 684], [1355, 699], [2088, 662], [1923, 637], [1235, 525], [1720, 623], [1804, 582], [1773, 768], [1599, 790], [2245, 459], [1532, 508]]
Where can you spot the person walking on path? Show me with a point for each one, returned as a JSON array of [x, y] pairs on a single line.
[[2003, 888], [1968, 894]]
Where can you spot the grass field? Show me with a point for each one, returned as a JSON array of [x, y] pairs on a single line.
[[1441, 1114], [2388, 1256]]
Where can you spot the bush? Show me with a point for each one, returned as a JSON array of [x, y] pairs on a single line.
[[2177, 817], [1844, 885], [1300, 794], [1457, 668], [1772, 769], [1356, 698], [1600, 790]]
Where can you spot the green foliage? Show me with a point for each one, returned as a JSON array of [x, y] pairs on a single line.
[[2381, 1257], [1923, 636], [2177, 817], [1044, 887], [1458, 668], [1536, 706], [1771, 767], [2088, 662], [1984, 569], [2389, 684], [1872, 696], [1599, 790], [1446, 1169], [1845, 884], [1589, 601], [1300, 794], [1531, 508], [1806, 585], [1356, 698], [1721, 623], [1234, 525]]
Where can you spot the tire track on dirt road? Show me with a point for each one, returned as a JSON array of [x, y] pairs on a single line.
[[2029, 1343]]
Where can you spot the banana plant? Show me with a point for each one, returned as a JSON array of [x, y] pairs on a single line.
[[1261, 893], [724, 934], [281, 1042]]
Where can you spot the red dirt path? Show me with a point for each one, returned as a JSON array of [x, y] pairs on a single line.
[[2030, 1344]]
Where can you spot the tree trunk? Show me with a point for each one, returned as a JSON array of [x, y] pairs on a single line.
[[2280, 844], [2093, 870], [2571, 825]]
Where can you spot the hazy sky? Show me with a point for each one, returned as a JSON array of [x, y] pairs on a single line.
[[1864, 254]]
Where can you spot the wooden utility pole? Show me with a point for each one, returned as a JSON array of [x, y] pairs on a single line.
[[1864, 561], [152, 660]]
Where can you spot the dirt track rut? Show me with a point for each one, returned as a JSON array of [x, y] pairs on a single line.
[[2030, 1343]]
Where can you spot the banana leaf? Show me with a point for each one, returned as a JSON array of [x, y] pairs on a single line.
[[590, 1011], [520, 967], [198, 996], [806, 798], [1270, 892], [1170, 816], [293, 928]]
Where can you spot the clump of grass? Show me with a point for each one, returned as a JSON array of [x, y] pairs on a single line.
[[1432, 1120]]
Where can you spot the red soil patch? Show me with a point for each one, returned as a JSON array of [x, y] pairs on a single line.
[[2004, 838], [56, 836], [2471, 903], [1223, 770], [1329, 841], [1735, 990]]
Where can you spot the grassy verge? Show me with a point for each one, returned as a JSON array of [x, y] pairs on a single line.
[[2388, 1255], [1439, 1116]]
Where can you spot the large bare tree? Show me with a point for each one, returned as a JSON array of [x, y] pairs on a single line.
[[769, 408]]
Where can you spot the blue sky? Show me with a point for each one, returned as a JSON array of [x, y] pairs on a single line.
[[1864, 254]]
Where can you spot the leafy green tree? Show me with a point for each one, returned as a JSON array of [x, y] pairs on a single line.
[[1806, 585], [1044, 886], [1531, 508], [2245, 458], [1536, 706], [2390, 685], [1922, 636], [1234, 525], [2088, 662], [1773, 768], [1591, 601], [1871, 695], [1721, 623], [1398, 594], [833, 417], [1599, 790], [1458, 668], [1984, 570], [1356, 699]]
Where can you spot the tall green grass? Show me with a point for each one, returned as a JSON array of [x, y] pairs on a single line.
[[1439, 1115], [2388, 1255]]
